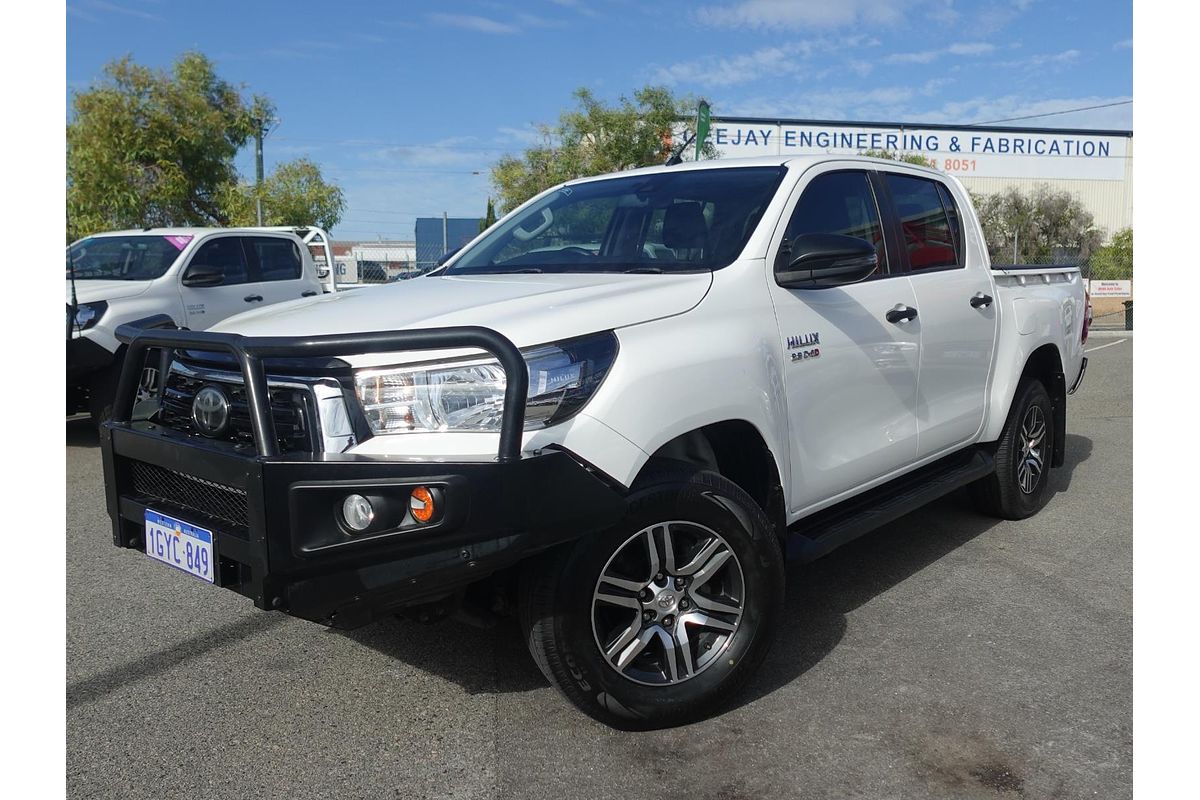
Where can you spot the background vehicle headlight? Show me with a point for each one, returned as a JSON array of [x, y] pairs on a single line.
[[469, 395], [87, 314]]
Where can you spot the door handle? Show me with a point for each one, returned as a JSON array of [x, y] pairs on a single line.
[[253, 298], [901, 313], [981, 300], [309, 293]]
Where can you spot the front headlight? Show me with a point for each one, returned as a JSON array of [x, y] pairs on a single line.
[[87, 314], [469, 395]]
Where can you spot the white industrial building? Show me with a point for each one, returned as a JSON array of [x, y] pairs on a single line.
[[1094, 165]]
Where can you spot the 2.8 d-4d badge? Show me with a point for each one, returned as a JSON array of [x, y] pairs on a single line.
[[210, 411]]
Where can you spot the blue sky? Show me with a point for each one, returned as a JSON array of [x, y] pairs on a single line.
[[407, 104]]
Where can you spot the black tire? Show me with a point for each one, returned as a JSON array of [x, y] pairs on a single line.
[[1001, 494], [557, 614]]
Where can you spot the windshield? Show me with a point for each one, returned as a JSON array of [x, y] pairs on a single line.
[[124, 258], [680, 221]]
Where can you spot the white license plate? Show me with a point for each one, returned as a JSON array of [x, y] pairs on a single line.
[[180, 544]]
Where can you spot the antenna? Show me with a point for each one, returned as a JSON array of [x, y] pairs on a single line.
[[74, 298], [677, 156]]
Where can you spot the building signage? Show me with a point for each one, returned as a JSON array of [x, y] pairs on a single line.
[[1111, 288], [959, 151]]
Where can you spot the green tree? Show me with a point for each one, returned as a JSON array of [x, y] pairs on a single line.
[[489, 219], [149, 147], [1040, 227], [1114, 261], [907, 158], [595, 138], [295, 193]]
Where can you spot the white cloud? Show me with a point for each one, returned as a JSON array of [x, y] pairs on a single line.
[[971, 49], [526, 137], [454, 151], [997, 15], [793, 14], [1041, 60], [730, 71], [784, 60], [929, 56], [1123, 44], [472, 22], [104, 7], [903, 104]]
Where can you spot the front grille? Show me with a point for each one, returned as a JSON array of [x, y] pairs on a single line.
[[292, 409], [225, 504]]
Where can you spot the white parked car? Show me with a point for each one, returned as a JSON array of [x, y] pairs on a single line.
[[618, 411], [195, 276]]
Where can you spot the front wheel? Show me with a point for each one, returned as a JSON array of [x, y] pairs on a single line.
[[657, 620]]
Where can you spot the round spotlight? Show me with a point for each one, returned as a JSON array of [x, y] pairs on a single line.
[[357, 512], [422, 505]]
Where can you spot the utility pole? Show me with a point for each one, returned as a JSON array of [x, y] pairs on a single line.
[[445, 238], [258, 169]]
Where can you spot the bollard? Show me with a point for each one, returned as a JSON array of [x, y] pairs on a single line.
[[1128, 315]]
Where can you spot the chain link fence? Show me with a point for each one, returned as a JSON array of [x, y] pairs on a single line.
[[1112, 302]]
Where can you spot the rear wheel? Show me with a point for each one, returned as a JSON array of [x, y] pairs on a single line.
[[657, 620], [1020, 485]]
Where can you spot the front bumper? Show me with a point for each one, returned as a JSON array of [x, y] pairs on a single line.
[[275, 516], [292, 555]]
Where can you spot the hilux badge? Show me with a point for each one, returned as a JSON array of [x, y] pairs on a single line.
[[804, 346], [210, 411]]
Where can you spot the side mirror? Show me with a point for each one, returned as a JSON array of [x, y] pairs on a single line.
[[822, 260], [204, 275], [447, 257]]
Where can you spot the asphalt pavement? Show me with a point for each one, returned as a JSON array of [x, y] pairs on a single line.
[[950, 655]]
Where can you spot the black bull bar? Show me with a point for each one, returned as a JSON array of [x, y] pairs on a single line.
[[288, 552], [249, 351]]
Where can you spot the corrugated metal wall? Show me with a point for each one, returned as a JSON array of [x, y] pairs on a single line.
[[1110, 202]]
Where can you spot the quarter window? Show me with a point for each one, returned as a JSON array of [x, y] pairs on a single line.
[[841, 203], [225, 252], [929, 237]]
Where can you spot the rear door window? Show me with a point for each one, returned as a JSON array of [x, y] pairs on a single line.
[[277, 259], [929, 237]]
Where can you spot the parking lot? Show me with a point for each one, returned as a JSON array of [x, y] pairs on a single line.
[[949, 655]]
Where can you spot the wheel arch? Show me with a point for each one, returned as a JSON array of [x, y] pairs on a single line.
[[736, 449], [1043, 364]]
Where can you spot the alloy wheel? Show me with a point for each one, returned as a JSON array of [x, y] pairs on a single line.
[[1031, 462], [668, 603]]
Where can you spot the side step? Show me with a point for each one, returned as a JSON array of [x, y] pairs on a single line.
[[816, 535]]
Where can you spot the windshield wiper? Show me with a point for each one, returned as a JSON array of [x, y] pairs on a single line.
[[644, 270]]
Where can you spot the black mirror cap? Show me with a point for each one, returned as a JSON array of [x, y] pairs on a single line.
[[824, 260], [204, 275]]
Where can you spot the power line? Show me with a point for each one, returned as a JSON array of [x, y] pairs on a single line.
[[1049, 113], [385, 143]]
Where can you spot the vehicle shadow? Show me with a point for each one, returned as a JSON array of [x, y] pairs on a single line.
[[82, 433], [820, 596]]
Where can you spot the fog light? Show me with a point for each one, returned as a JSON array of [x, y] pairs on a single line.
[[421, 504], [357, 512]]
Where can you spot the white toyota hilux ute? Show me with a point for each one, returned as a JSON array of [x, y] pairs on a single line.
[[194, 276], [616, 413]]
